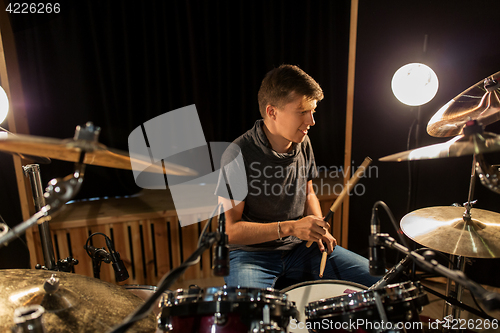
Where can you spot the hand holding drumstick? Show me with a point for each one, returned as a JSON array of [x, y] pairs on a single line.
[[336, 204]]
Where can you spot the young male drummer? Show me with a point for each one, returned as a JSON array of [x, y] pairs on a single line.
[[269, 229]]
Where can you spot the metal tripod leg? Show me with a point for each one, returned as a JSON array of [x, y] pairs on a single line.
[[32, 171], [454, 290]]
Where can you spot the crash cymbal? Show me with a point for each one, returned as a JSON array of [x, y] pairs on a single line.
[[480, 102], [444, 229], [78, 304], [460, 145], [95, 153]]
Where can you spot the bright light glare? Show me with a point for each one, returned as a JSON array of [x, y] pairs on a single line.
[[4, 105], [414, 84]]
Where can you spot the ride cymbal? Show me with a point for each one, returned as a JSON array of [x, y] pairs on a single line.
[[94, 153], [461, 145], [480, 102], [78, 304], [444, 229]]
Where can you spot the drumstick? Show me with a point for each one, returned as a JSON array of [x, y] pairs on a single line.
[[323, 264], [345, 191]]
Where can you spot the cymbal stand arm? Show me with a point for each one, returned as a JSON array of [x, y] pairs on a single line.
[[32, 171], [490, 300], [22, 227]]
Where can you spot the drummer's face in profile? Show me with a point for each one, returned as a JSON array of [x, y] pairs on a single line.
[[293, 120]]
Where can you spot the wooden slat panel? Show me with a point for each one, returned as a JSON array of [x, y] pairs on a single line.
[[149, 252], [174, 232], [136, 248], [120, 235], [78, 236], [162, 247], [189, 245], [62, 243]]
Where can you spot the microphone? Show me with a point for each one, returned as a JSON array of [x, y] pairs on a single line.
[[98, 253], [221, 254], [121, 273], [376, 251]]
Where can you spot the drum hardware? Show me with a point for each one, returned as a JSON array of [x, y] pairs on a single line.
[[72, 302], [490, 300], [393, 273], [32, 171], [28, 319], [480, 102]]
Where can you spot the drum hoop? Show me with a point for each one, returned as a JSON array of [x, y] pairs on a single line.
[[307, 283], [140, 287]]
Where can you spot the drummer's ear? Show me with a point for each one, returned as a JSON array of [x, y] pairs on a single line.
[[271, 112]]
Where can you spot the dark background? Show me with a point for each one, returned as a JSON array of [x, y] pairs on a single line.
[[119, 64]]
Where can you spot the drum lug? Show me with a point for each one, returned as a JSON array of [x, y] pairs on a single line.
[[220, 319], [165, 324]]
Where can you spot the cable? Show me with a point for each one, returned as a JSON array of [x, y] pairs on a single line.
[[393, 220], [109, 243]]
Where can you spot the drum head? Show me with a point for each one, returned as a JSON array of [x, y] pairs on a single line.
[[304, 293]]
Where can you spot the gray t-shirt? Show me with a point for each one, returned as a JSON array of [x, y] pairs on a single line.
[[277, 182]]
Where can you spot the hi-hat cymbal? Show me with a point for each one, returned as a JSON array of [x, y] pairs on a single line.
[[444, 229], [460, 145], [480, 102], [80, 304], [94, 153]]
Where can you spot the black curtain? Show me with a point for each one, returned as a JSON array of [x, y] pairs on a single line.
[[119, 64]]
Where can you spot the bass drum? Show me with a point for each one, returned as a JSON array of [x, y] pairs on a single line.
[[306, 292]]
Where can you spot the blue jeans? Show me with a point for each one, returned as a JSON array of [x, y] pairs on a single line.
[[262, 269]]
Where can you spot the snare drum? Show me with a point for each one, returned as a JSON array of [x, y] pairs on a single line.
[[225, 310], [304, 293], [394, 308]]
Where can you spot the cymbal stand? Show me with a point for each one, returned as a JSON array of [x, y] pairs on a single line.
[[455, 290], [59, 191], [32, 171]]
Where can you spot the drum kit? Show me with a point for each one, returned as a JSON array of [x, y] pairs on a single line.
[[52, 300]]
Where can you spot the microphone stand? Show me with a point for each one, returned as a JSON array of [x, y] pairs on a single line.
[[490, 300]]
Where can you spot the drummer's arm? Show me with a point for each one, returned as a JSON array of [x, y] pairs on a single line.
[[245, 233], [312, 202]]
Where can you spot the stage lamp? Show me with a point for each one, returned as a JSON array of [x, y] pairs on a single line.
[[4, 105], [414, 84]]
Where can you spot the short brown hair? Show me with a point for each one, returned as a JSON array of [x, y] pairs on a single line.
[[280, 84]]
